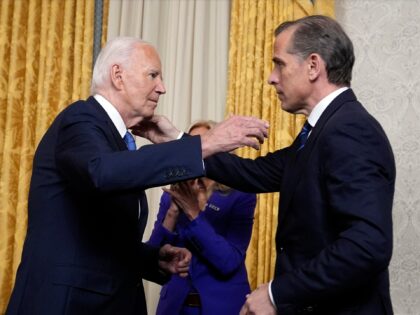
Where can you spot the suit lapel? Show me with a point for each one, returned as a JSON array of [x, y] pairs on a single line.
[[109, 128], [297, 161], [115, 138]]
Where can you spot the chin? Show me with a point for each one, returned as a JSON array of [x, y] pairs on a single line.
[[285, 106], [288, 109], [149, 115]]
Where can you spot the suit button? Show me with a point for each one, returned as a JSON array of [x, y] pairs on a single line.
[[305, 310]]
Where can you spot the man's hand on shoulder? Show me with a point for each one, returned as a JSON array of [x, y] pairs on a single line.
[[157, 129]]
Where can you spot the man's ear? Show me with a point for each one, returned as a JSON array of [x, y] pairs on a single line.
[[315, 66], [116, 76]]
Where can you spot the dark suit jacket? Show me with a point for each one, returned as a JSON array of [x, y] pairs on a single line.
[[334, 235], [83, 252]]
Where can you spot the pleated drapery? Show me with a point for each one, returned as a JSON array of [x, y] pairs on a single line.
[[46, 54], [251, 48]]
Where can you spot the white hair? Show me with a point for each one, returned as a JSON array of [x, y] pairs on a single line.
[[116, 51]]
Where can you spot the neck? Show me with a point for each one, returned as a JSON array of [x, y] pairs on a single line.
[[119, 106], [320, 93]]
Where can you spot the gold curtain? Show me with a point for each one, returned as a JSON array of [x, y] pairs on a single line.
[[250, 53], [46, 53]]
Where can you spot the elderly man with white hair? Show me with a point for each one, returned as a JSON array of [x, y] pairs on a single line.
[[87, 209]]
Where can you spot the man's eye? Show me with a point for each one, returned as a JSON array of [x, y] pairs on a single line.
[[279, 65], [154, 75]]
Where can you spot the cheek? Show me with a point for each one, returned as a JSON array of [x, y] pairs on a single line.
[[141, 93], [148, 89]]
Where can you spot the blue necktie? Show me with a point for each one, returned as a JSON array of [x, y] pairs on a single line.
[[303, 135], [129, 141], [131, 145]]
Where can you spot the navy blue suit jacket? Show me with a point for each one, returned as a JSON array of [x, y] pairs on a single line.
[[334, 234], [83, 252]]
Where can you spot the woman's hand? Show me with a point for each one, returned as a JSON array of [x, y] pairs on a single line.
[[190, 196], [171, 217]]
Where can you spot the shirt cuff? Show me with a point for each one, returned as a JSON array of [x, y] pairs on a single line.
[[270, 294]]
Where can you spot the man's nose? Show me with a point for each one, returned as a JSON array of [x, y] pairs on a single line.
[[160, 88], [271, 79]]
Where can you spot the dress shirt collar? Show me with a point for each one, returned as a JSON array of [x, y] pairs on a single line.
[[112, 113], [322, 105]]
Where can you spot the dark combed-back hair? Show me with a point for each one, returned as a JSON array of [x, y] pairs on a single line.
[[324, 36]]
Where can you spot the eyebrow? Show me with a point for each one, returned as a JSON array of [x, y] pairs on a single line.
[[277, 60], [154, 69]]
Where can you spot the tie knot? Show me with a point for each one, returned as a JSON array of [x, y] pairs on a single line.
[[130, 142], [303, 135], [306, 127]]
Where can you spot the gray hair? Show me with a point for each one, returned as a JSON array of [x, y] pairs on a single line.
[[324, 36], [116, 51]]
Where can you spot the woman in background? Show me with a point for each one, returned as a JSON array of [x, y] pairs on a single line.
[[215, 223]]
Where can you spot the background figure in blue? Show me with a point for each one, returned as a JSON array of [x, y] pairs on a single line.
[[218, 237]]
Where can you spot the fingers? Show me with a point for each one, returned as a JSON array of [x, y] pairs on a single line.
[[165, 251], [187, 256], [157, 129], [184, 189], [182, 271], [252, 142], [258, 134], [176, 198], [173, 191], [251, 123], [175, 259], [184, 264], [244, 310], [233, 133]]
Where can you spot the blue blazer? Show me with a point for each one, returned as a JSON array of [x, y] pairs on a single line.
[[83, 252], [218, 239], [334, 234]]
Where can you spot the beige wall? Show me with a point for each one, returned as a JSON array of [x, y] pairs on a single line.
[[386, 78]]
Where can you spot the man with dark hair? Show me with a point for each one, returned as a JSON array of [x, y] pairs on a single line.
[[336, 183]]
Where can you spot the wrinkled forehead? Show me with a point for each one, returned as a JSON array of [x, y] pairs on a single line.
[[146, 56]]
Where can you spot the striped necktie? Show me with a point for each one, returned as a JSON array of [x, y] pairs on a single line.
[[303, 135]]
